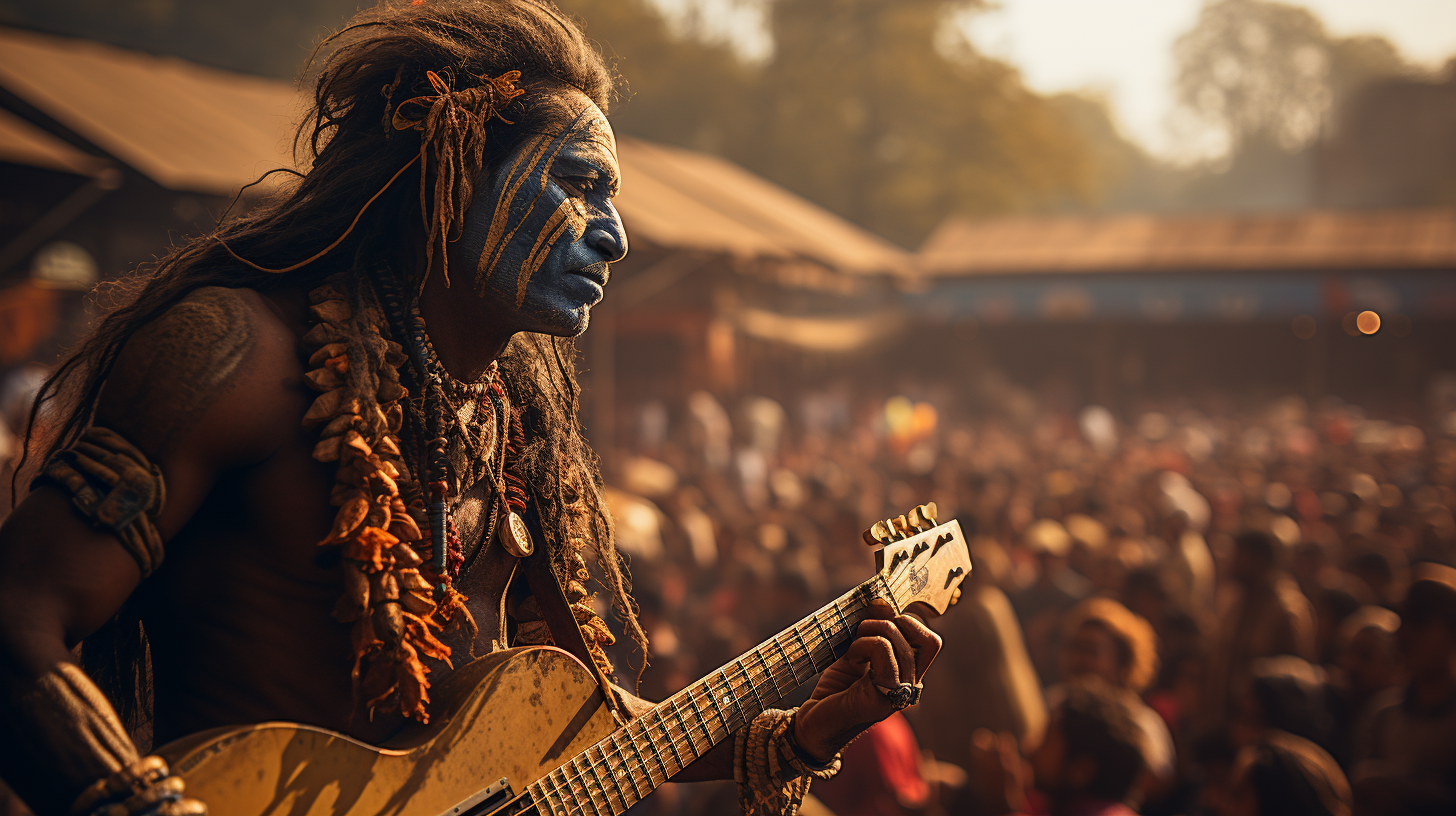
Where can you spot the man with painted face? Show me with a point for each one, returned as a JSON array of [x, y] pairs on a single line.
[[299, 465]]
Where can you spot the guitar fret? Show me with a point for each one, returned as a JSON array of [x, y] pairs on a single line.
[[641, 760], [580, 785], [687, 729], [843, 624], [632, 776], [701, 720], [808, 655], [668, 738], [768, 673], [823, 637], [593, 765], [788, 661], [748, 678], [552, 809], [733, 698], [592, 794], [713, 698], [597, 777], [653, 750]]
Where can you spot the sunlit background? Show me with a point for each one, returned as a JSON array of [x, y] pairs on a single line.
[[1140, 269]]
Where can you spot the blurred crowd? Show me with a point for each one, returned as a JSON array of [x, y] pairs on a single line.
[[1175, 609]]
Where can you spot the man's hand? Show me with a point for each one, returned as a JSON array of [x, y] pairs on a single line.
[[888, 650]]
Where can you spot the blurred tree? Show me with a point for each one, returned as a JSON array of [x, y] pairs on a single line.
[[1393, 145], [1252, 68], [1255, 69], [1258, 83], [879, 111], [269, 37], [684, 91], [1128, 177]]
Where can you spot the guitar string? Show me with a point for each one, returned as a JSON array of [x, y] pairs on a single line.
[[750, 681], [733, 685], [893, 586], [685, 729], [734, 688], [684, 732]]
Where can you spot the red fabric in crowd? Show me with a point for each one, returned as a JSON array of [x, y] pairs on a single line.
[[880, 775]]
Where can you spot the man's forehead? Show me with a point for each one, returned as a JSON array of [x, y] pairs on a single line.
[[591, 126], [588, 127]]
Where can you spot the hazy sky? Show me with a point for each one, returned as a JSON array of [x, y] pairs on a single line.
[[1123, 48]]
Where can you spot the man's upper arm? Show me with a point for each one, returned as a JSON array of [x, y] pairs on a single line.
[[209, 385], [202, 388]]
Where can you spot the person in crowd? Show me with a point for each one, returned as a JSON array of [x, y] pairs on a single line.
[[1285, 775], [1333, 605], [1185, 514], [1103, 639], [1408, 765], [1371, 670], [1266, 615], [1089, 764], [988, 680], [1287, 694], [1041, 605]]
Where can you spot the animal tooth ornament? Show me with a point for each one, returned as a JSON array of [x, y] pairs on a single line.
[[396, 611]]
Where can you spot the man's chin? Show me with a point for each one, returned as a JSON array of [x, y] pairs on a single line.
[[564, 323]]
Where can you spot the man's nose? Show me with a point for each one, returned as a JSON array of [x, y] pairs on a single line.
[[611, 243]]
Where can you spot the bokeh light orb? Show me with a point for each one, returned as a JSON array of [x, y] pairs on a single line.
[[1304, 327], [1367, 322]]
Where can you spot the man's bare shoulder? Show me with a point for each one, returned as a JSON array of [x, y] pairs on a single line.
[[219, 360]]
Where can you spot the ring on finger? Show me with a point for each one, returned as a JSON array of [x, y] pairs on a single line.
[[902, 695]]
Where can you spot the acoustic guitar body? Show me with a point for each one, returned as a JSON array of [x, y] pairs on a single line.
[[514, 715]]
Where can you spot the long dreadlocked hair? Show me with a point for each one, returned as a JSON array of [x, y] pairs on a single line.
[[349, 149]]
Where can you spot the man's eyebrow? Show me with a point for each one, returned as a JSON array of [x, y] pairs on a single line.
[[601, 168]]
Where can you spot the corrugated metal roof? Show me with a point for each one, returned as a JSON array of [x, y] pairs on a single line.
[[200, 129], [185, 126], [24, 143], [1408, 239], [675, 195]]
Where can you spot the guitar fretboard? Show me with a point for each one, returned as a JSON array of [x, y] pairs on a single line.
[[634, 760]]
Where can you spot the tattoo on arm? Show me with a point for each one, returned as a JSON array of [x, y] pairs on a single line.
[[179, 364]]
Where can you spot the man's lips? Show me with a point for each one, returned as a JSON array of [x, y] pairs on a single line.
[[596, 273]]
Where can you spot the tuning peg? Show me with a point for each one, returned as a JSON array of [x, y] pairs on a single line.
[[922, 518], [955, 597], [902, 527], [879, 534]]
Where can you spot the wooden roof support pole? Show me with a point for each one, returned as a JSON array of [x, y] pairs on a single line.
[[79, 201]]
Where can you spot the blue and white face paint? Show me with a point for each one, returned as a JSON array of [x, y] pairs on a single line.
[[542, 237]]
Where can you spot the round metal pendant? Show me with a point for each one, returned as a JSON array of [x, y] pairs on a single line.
[[514, 536]]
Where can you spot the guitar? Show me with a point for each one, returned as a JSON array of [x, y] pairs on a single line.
[[527, 730]]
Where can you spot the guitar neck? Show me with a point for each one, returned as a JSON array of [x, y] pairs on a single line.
[[634, 760]]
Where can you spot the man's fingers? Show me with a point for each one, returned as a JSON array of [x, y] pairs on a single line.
[[923, 641], [905, 663], [879, 609], [880, 655]]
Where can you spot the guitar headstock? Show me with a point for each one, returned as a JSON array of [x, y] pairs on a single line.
[[923, 562]]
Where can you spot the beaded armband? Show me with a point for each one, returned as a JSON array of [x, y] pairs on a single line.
[[117, 489], [144, 788], [772, 772]]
